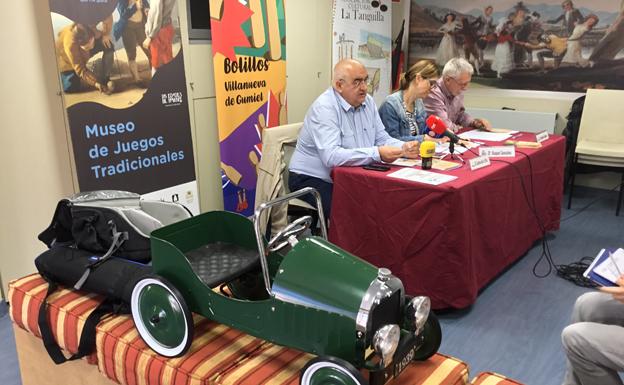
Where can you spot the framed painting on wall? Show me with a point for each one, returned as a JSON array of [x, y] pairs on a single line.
[[550, 45]]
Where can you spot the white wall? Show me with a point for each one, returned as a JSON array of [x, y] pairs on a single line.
[[34, 156]]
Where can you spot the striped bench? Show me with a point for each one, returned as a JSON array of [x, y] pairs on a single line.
[[491, 378], [218, 355]]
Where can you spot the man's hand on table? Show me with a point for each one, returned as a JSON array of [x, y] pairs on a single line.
[[389, 154], [481, 124], [410, 149]]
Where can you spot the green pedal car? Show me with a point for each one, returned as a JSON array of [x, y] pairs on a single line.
[[314, 297]]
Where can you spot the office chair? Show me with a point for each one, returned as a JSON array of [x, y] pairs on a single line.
[[277, 148]]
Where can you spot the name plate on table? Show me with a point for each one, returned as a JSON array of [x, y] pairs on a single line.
[[498, 151], [479, 162], [542, 136]]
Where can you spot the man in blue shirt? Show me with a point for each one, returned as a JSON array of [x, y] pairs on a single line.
[[342, 128]]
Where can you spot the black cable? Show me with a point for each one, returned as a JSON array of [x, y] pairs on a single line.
[[572, 272]]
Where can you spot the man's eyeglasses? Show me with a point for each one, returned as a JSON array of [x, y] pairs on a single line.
[[357, 82], [461, 84]]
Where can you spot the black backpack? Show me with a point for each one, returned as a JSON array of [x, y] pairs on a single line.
[[99, 243]]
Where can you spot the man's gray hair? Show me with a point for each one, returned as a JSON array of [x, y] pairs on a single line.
[[457, 66]]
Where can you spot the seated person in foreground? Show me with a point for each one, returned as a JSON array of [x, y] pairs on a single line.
[[342, 128], [447, 99], [594, 340], [403, 112]]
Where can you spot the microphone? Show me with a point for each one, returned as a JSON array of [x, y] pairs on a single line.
[[438, 126], [427, 150]]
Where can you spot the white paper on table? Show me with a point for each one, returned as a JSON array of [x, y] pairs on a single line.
[[405, 162], [613, 267], [443, 149], [484, 135], [504, 130], [427, 177]]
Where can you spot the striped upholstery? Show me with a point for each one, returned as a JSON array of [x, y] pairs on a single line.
[[491, 378], [270, 364], [218, 355], [439, 369], [124, 357], [68, 310]]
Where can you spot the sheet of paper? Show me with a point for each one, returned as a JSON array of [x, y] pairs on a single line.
[[405, 162], [443, 148], [504, 130], [484, 135], [421, 176], [438, 164], [443, 165], [613, 267]]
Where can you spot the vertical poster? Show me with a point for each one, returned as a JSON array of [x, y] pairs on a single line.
[[249, 56], [122, 77], [361, 31], [552, 45]]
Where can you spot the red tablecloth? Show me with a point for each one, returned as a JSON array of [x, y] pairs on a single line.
[[448, 241]]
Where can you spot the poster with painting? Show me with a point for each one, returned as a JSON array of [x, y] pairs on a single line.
[[553, 45], [121, 74]]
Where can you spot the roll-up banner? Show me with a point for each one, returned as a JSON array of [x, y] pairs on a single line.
[[122, 78], [361, 31], [249, 56]]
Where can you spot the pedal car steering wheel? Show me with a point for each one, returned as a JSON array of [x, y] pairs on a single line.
[[295, 228]]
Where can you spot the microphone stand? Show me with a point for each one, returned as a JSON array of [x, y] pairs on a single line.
[[452, 152]]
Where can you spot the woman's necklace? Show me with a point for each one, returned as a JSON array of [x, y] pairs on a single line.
[[405, 106]]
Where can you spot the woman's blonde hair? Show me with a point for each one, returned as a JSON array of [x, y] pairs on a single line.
[[425, 68]]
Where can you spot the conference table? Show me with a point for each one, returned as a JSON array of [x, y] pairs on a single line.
[[450, 240]]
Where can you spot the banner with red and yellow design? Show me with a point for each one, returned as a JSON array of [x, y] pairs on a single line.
[[249, 56]]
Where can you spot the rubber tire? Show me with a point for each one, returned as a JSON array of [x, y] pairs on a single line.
[[432, 339], [338, 372], [185, 322]]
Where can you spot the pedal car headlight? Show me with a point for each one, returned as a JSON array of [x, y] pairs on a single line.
[[386, 341], [418, 311]]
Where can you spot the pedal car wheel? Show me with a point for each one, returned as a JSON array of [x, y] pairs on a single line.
[[161, 316], [327, 370], [432, 334]]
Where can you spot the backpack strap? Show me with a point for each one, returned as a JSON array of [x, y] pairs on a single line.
[[87, 337], [118, 240]]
